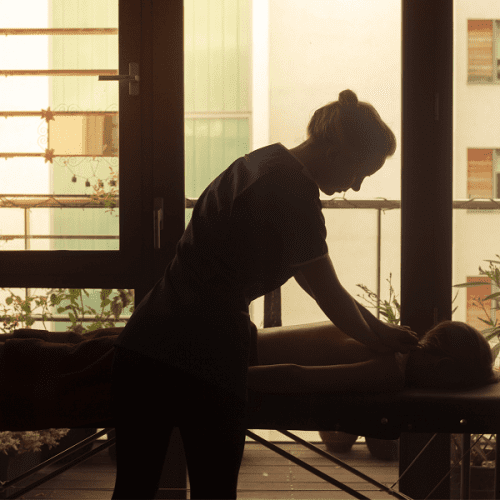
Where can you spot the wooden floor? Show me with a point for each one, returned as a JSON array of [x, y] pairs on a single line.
[[263, 475]]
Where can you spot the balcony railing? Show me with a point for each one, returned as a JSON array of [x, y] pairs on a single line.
[[272, 301]]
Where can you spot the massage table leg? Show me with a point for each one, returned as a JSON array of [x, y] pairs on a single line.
[[320, 474], [465, 490]]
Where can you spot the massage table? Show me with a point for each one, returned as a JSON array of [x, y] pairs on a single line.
[[63, 381]]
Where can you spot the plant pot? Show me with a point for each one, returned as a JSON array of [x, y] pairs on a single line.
[[383, 449], [12, 466], [337, 441], [73, 437], [482, 483]]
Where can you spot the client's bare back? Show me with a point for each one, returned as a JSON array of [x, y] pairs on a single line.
[[314, 344]]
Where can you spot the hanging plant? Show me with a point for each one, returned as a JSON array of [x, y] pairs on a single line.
[[107, 197]]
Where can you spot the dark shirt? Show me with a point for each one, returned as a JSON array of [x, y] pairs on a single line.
[[250, 229]]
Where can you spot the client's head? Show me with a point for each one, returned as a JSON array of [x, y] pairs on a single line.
[[452, 355]]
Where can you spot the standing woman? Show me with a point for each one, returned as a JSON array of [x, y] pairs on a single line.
[[182, 359]]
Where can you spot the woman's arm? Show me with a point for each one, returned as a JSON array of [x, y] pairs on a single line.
[[397, 337], [381, 374], [299, 278], [319, 279]]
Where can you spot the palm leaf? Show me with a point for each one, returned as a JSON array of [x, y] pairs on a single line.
[[472, 283]]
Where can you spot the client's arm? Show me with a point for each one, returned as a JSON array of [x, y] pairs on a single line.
[[380, 374]]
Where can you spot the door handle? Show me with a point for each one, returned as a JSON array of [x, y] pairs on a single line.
[[158, 221], [132, 77]]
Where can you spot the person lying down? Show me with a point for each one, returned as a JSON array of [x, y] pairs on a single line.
[[319, 357]]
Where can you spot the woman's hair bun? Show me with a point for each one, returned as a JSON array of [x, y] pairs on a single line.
[[348, 99]]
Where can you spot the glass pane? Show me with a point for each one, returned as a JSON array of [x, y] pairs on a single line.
[[61, 309], [59, 140], [476, 164], [274, 93], [299, 83]]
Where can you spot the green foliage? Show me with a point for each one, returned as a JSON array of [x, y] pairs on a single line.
[[12, 443], [389, 309], [492, 330], [108, 199], [20, 312]]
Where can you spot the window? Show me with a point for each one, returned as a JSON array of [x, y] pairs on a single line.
[[484, 50], [483, 173], [59, 134]]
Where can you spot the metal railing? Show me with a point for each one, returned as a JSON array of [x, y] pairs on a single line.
[[29, 202]]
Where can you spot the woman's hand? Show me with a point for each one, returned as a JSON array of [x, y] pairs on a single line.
[[395, 338]]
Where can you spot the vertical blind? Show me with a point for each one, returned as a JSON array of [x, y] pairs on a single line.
[[480, 33], [480, 173], [216, 89]]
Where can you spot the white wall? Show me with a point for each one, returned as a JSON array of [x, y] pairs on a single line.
[[317, 48], [476, 125]]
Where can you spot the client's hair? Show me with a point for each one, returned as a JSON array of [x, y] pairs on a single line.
[[470, 354]]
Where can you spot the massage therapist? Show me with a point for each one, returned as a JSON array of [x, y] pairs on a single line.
[[182, 359]]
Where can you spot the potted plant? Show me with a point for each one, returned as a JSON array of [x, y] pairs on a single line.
[[21, 451], [483, 452], [20, 312], [492, 330]]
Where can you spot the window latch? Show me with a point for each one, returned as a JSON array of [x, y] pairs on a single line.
[[132, 78]]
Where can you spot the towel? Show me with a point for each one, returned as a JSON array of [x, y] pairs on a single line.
[[55, 380]]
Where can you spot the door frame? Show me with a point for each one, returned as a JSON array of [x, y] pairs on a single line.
[[426, 207]]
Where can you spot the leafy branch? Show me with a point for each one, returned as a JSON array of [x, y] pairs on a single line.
[[108, 198], [389, 309], [20, 312], [492, 332]]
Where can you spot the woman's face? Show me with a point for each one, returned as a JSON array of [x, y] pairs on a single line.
[[339, 173]]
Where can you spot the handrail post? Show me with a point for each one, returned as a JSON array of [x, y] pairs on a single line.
[[26, 228], [272, 308], [379, 240]]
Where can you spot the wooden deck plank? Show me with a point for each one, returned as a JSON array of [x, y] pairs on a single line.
[[263, 474]]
